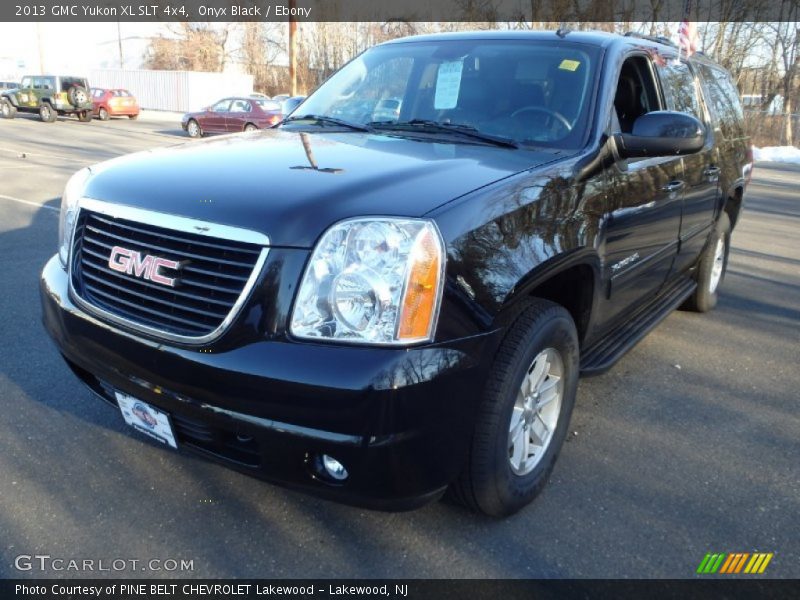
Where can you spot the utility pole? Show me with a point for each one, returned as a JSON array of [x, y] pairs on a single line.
[[41, 51], [292, 48], [119, 42]]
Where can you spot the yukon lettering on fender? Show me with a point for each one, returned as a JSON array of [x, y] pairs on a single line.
[[132, 263]]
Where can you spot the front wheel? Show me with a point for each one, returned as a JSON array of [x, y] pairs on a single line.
[[103, 114], [524, 415], [193, 129], [711, 268], [7, 110], [250, 127], [133, 117]]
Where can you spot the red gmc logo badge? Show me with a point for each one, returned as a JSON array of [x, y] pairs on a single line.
[[132, 263]]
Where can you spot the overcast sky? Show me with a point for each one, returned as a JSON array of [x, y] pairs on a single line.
[[70, 47]]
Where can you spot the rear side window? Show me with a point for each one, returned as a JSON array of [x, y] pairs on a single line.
[[42, 83], [240, 106], [723, 99], [69, 82], [680, 91]]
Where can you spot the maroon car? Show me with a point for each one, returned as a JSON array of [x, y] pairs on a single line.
[[233, 114]]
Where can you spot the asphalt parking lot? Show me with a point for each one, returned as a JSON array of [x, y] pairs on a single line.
[[691, 444]]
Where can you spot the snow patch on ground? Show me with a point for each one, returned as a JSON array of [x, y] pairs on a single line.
[[784, 154]]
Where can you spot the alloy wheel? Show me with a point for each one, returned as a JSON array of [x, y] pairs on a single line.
[[535, 414]]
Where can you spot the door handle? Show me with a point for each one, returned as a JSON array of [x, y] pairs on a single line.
[[673, 186], [711, 172]]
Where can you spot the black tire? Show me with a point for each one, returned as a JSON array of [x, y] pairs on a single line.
[[47, 113], [133, 117], [250, 127], [193, 129], [102, 114], [84, 116], [7, 110], [78, 96], [488, 484], [705, 296]]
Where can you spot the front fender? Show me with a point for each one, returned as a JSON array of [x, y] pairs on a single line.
[[518, 233]]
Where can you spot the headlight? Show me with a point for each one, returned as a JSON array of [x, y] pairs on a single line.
[[69, 210], [372, 280]]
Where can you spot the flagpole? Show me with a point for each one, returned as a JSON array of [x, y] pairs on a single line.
[[684, 27]]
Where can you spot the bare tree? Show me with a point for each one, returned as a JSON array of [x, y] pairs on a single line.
[[787, 44], [190, 47]]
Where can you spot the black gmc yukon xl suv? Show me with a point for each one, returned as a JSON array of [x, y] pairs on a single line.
[[376, 306]]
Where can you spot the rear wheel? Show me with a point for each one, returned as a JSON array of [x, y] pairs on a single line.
[[84, 116], [7, 110], [103, 114], [711, 268], [524, 415], [46, 113], [133, 117], [193, 129]]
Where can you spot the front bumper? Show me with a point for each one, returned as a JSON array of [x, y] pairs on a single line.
[[400, 420]]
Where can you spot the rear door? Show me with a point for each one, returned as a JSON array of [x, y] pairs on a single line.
[[239, 115], [700, 170]]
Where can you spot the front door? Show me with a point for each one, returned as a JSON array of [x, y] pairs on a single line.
[[645, 198], [25, 95], [215, 118]]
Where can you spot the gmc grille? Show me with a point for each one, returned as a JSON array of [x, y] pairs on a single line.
[[210, 284]]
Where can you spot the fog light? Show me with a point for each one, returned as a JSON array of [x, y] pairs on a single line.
[[333, 468]]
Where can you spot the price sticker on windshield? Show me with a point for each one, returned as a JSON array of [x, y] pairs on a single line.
[[448, 84]]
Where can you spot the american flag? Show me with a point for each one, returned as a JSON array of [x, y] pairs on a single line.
[[687, 32]]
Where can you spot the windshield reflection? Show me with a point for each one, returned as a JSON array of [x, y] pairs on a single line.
[[523, 92]]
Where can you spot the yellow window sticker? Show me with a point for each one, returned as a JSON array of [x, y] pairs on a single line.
[[569, 65]]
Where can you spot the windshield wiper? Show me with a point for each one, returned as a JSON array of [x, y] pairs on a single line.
[[437, 126], [325, 120]]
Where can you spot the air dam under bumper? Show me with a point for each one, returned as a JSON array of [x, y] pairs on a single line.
[[399, 420]]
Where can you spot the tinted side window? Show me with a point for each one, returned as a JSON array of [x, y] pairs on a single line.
[[680, 91], [724, 101]]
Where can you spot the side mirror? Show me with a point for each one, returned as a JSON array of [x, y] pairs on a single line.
[[662, 133]]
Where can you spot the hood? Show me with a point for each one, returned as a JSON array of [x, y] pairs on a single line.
[[292, 186]]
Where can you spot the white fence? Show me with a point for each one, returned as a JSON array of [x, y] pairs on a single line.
[[180, 91]]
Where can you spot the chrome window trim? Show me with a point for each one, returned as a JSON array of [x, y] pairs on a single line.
[[176, 223]]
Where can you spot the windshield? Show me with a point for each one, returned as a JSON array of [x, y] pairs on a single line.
[[524, 91]]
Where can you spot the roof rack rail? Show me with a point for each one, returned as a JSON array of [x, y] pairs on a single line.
[[653, 38]]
